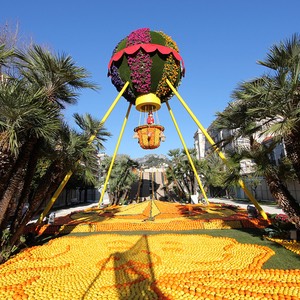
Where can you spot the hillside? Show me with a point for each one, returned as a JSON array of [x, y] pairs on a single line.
[[153, 160]]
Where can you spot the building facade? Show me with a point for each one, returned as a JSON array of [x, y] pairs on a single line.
[[257, 185], [199, 144]]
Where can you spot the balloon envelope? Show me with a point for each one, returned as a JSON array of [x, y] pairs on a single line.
[[146, 59]]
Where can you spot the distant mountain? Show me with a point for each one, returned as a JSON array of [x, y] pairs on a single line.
[[152, 160]]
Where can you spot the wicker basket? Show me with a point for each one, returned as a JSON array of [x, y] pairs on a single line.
[[150, 136]]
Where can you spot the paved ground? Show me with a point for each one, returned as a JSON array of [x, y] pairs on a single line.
[[272, 209], [68, 210], [65, 211]]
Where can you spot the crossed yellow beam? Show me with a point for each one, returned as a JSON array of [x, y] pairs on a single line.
[[114, 156], [222, 156], [187, 152], [210, 140], [69, 174]]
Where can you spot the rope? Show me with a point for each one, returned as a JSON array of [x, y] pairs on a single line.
[[140, 118], [156, 113]]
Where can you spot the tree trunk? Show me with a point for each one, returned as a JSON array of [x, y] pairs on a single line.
[[85, 195], [48, 185], [7, 161], [284, 199], [66, 197], [292, 146], [8, 215], [16, 182], [192, 183], [26, 188], [186, 186]]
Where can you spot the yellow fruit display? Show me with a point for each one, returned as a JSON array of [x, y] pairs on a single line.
[[153, 215], [160, 266], [293, 246]]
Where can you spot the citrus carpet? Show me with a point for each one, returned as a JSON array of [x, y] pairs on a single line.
[[152, 216], [162, 265]]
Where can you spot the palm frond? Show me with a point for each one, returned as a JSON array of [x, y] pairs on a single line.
[[56, 74]]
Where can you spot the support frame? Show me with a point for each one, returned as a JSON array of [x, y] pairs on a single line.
[[114, 155], [216, 149], [187, 152], [70, 172]]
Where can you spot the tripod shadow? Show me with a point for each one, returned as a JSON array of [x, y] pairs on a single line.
[[133, 272]]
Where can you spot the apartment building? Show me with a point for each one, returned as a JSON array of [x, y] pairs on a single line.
[[199, 144], [258, 186]]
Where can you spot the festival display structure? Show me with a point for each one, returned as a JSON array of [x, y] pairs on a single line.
[[146, 59], [149, 63], [146, 68]]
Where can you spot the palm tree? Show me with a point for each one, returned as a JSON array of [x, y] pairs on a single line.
[[30, 118], [188, 176], [5, 56], [269, 105], [57, 75], [181, 173], [214, 174], [48, 82], [173, 171], [25, 120], [121, 178], [275, 175], [284, 60], [25, 136], [5, 158], [70, 151]]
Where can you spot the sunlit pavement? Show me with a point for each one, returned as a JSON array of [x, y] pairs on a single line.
[[271, 209]]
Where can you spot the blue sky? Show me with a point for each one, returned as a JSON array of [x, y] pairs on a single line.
[[219, 41]]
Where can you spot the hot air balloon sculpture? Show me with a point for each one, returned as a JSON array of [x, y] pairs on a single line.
[[146, 59], [146, 68]]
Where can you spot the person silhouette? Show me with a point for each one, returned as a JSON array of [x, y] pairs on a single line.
[[150, 119]]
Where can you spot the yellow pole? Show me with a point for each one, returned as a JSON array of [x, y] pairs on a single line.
[[139, 186], [107, 114], [222, 156], [69, 174], [54, 197], [114, 155], [187, 152]]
